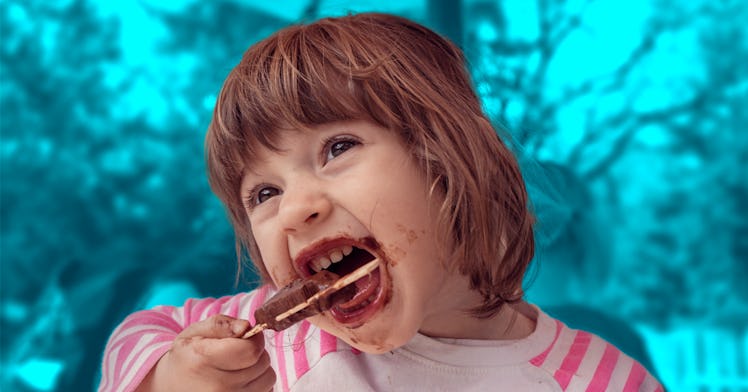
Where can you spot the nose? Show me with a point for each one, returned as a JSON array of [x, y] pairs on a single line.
[[303, 205]]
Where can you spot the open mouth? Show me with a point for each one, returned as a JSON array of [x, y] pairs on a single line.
[[369, 295]]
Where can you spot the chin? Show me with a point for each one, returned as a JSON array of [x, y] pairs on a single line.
[[378, 335], [371, 343]]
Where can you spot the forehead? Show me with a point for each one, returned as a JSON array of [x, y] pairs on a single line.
[[275, 142]]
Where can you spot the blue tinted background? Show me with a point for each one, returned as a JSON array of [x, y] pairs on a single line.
[[629, 118]]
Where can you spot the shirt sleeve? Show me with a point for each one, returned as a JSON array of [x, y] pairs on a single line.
[[145, 336]]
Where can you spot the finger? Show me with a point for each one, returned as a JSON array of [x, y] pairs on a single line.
[[218, 326], [248, 374], [238, 380], [230, 353], [264, 382]]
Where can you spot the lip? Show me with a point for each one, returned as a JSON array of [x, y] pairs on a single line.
[[358, 318], [323, 248]]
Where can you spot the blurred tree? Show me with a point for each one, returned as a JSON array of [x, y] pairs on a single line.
[[658, 135], [693, 236], [210, 37], [445, 17], [96, 204], [52, 99]]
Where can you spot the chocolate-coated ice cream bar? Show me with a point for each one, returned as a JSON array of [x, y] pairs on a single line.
[[305, 298]]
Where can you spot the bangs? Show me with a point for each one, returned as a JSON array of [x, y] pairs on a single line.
[[373, 67], [301, 77]]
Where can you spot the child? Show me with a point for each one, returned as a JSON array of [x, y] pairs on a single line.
[[343, 141]]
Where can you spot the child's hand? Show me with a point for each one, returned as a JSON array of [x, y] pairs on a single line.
[[209, 356]]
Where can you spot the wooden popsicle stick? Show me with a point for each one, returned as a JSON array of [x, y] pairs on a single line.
[[255, 330], [359, 273]]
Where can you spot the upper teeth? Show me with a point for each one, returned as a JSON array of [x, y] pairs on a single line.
[[334, 256]]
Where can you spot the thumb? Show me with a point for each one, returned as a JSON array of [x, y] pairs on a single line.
[[218, 326]]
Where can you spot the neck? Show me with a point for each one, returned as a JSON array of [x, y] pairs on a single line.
[[452, 318], [512, 322]]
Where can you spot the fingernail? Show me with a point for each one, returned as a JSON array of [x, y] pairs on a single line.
[[237, 327]]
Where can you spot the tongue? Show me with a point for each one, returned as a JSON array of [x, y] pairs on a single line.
[[366, 287]]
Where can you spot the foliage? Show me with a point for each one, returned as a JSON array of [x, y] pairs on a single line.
[[96, 205], [653, 141]]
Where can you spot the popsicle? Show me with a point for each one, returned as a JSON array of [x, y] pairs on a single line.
[[305, 298]]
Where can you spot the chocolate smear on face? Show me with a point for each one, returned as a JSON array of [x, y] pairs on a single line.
[[370, 243]]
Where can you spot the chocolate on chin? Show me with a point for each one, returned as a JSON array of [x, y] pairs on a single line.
[[300, 291]]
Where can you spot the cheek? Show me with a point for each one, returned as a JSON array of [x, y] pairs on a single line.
[[275, 258], [411, 237], [394, 253], [279, 275]]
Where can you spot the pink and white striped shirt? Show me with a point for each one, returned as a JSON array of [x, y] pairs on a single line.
[[305, 358]]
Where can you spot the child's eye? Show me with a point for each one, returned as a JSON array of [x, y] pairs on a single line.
[[338, 145], [261, 194]]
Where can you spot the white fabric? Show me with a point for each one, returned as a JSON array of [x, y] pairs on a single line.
[[428, 364]]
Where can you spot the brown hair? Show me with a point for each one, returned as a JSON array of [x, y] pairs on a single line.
[[404, 77]]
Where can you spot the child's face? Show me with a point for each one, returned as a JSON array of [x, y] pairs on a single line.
[[353, 185]]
